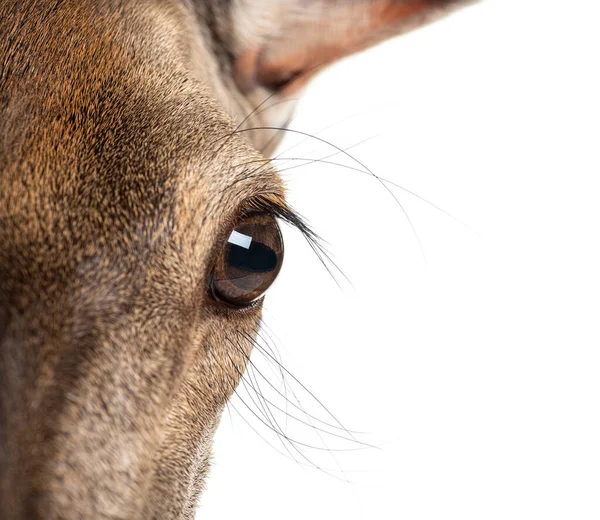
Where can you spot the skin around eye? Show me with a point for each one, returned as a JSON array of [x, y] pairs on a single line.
[[249, 261]]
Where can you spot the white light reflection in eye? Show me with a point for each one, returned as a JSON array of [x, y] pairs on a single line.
[[240, 239]]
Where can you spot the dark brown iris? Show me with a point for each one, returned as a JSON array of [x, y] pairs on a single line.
[[249, 261]]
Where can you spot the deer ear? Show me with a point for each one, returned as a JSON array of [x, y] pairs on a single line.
[[280, 40]]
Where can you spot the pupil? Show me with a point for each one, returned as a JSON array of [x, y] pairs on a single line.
[[258, 258]]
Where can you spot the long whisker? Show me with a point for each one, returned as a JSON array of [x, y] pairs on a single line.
[[307, 160], [281, 435], [280, 157], [259, 347], [352, 439], [392, 183], [275, 92], [315, 428], [265, 407], [274, 136], [341, 150], [279, 432], [273, 105], [283, 454], [265, 410], [264, 328], [318, 132], [283, 384]]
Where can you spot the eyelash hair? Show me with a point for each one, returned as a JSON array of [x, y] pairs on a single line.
[[276, 206]]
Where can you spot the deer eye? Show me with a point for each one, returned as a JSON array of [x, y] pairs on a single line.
[[248, 262]]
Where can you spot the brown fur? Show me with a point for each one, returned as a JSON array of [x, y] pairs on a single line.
[[119, 176]]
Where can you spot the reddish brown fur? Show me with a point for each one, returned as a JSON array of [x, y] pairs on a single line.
[[119, 175]]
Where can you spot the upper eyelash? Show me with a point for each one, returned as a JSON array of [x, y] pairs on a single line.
[[276, 206]]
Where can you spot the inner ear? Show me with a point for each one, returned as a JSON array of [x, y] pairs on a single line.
[[284, 52]]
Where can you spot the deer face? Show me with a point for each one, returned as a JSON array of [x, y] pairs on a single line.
[[138, 232]]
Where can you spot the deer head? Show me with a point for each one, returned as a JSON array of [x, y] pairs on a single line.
[[138, 230]]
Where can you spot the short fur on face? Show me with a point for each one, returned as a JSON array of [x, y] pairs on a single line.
[[120, 172]]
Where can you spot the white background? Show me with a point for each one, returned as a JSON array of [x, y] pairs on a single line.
[[473, 365]]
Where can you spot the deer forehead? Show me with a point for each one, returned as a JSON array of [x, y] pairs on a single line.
[[120, 143]]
